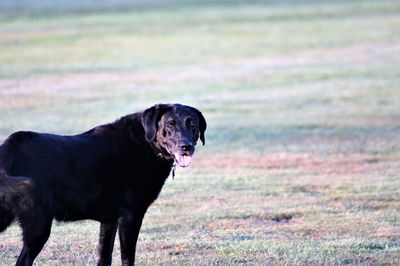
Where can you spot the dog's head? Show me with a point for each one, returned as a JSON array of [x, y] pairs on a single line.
[[175, 129]]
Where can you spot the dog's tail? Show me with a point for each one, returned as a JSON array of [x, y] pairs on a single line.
[[13, 197], [6, 214]]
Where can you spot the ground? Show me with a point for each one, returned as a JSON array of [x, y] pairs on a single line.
[[302, 158]]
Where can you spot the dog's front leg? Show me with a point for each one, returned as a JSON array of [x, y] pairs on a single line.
[[106, 242], [129, 228]]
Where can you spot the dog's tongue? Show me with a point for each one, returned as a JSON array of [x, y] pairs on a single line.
[[183, 160]]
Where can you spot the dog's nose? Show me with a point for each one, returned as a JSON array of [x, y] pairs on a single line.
[[186, 146]]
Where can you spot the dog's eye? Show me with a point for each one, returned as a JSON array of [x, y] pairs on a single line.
[[171, 125], [193, 125]]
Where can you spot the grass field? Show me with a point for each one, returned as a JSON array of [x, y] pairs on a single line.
[[302, 99]]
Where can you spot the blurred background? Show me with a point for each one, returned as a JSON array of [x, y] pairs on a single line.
[[302, 100]]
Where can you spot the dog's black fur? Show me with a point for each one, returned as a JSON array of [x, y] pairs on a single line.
[[111, 174]]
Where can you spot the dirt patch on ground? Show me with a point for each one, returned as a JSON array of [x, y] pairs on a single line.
[[388, 231], [174, 249], [251, 222], [333, 164]]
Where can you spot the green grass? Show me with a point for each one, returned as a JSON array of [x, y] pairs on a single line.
[[302, 161]]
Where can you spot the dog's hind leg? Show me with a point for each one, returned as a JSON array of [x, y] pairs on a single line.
[[36, 227]]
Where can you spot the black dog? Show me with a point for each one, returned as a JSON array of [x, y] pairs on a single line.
[[111, 174]]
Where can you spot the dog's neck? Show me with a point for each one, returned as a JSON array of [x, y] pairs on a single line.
[[161, 152], [165, 156]]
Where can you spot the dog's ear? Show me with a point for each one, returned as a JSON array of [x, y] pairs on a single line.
[[202, 124], [150, 118]]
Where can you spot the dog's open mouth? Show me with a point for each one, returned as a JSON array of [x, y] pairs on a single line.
[[183, 160]]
